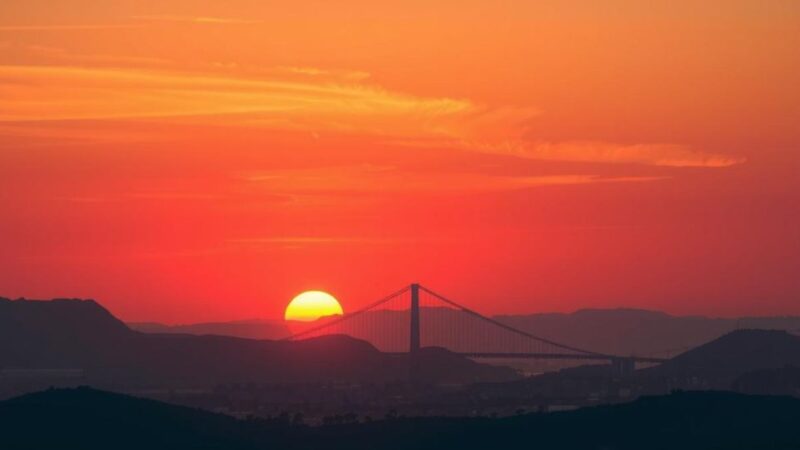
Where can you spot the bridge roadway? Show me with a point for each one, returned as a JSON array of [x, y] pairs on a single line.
[[637, 359], [582, 357]]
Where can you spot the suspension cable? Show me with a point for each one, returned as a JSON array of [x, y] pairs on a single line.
[[507, 327]]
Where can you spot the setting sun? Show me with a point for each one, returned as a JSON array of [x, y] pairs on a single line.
[[311, 305]]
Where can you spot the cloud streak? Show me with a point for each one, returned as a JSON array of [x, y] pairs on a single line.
[[670, 155], [365, 178], [665, 155], [50, 93], [313, 100], [207, 20], [141, 22], [65, 27]]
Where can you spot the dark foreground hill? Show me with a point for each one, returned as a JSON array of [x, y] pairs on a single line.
[[782, 381], [43, 336], [718, 363], [88, 419]]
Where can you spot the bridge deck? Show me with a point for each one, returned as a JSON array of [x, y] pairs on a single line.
[[584, 357], [639, 359]]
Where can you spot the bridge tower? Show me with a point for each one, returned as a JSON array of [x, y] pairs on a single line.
[[414, 341]]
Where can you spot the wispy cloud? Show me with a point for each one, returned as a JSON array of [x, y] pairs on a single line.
[[56, 55], [31, 134], [269, 243], [309, 240], [44, 93], [351, 75], [364, 178], [132, 23], [67, 27], [197, 19], [671, 155], [318, 100], [145, 196], [667, 155]]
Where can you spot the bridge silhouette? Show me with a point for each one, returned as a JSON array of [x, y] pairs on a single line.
[[415, 317]]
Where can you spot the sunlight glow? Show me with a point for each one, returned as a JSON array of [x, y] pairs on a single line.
[[311, 305]]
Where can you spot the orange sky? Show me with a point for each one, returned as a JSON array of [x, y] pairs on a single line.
[[199, 160]]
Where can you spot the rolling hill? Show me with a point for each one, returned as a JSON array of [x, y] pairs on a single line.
[[718, 363], [89, 419]]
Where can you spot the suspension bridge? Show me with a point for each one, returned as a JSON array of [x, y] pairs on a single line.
[[416, 317]]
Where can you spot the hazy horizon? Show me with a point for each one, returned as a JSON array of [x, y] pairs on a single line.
[[246, 319]]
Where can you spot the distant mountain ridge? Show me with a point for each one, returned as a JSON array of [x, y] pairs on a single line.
[[81, 334], [250, 329], [621, 331], [627, 331]]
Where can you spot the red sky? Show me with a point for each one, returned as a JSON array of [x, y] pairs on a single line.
[[193, 160]]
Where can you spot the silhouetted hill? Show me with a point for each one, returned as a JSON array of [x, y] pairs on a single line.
[[619, 331], [89, 419], [74, 334], [250, 329], [717, 363], [60, 333]]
